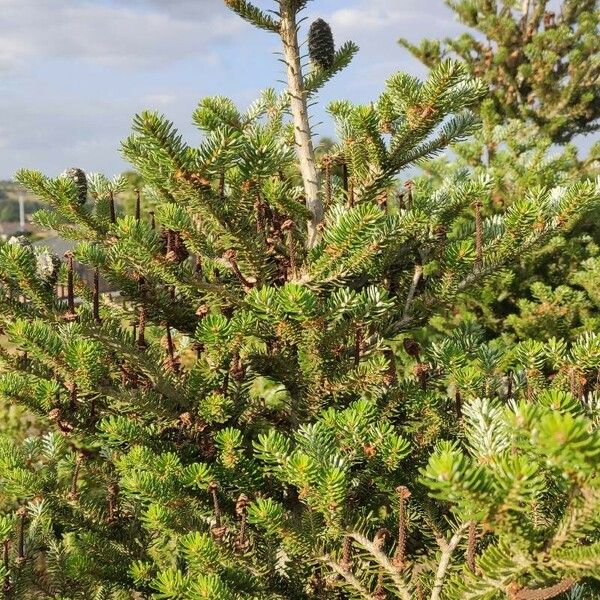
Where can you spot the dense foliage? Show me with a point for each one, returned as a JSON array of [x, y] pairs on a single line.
[[252, 416], [540, 60]]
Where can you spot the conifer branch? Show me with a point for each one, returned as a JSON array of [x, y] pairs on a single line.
[[418, 274], [400, 553], [448, 549], [253, 15], [543, 593], [96, 296], [112, 497], [73, 493], [6, 587], [478, 235], [241, 509], [348, 577], [138, 204], [141, 341], [70, 315], [471, 546], [346, 562], [383, 561], [22, 515]]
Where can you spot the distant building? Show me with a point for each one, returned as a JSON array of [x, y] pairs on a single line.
[[7, 230], [60, 247]]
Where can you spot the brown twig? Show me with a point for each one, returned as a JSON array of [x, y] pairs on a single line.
[[231, 257], [472, 546], [222, 186], [400, 554], [346, 184], [478, 235], [542, 593], [73, 395], [212, 488], [22, 514], [141, 342], [138, 205], [113, 508], [458, 403], [172, 362], [96, 296], [288, 228], [358, 344], [218, 530], [74, 493], [70, 315], [346, 562], [241, 509]]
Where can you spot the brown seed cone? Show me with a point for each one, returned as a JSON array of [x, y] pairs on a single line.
[[321, 47], [412, 347]]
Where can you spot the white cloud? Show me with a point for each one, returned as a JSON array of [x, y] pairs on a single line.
[[165, 99], [77, 70], [182, 8], [370, 16], [122, 35]]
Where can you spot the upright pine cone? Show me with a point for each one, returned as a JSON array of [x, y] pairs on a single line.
[[77, 176], [321, 47]]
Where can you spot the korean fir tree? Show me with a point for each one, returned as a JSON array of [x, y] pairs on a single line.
[[248, 418], [546, 291], [540, 60]]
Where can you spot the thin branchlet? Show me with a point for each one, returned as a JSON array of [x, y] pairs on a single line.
[[400, 554], [472, 546], [478, 235], [7, 585], [74, 492], [70, 315], [22, 516], [218, 530], [96, 296], [112, 499], [138, 204], [141, 340], [241, 509]]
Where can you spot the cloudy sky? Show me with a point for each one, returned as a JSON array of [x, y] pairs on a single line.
[[74, 72]]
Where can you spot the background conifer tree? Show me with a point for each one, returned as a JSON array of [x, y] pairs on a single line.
[[541, 62], [251, 418], [539, 58]]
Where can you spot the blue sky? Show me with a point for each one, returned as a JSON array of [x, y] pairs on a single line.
[[74, 72]]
